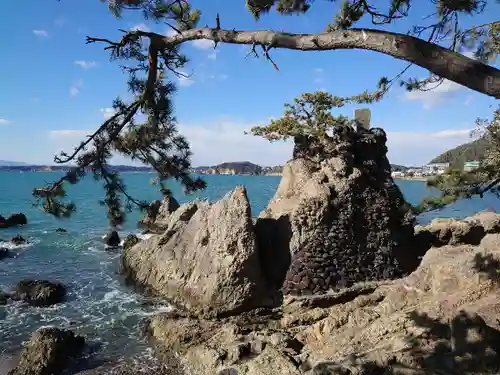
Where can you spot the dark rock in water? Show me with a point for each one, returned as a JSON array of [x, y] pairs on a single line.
[[112, 239], [130, 241], [13, 220], [18, 240], [4, 297], [4, 253], [61, 230], [337, 217], [49, 351], [40, 292]]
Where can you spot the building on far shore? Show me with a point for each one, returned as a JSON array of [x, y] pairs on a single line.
[[436, 168], [471, 165]]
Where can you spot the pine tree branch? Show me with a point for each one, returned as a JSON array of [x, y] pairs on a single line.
[[438, 60]]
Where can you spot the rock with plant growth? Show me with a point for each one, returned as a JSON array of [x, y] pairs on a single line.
[[158, 213], [337, 217]]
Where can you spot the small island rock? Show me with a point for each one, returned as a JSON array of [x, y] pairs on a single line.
[[18, 240], [41, 293], [49, 351], [112, 238], [61, 230], [13, 220]]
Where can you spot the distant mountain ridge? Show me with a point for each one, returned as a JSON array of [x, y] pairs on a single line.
[[8, 163], [472, 151]]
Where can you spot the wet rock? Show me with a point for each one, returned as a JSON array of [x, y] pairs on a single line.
[[205, 260], [41, 293], [130, 240], [18, 240], [49, 351], [13, 220], [4, 253], [337, 217], [112, 239], [158, 214], [61, 230], [4, 298]]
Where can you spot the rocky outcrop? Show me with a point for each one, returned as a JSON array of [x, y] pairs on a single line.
[[4, 298], [206, 259], [13, 220], [441, 319], [48, 352], [112, 239], [130, 240], [158, 214], [337, 216], [40, 292]]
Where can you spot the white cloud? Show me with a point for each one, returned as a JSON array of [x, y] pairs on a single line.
[[224, 140], [85, 64], [141, 27], [212, 56], [75, 89], [434, 97], [40, 33], [418, 148], [4, 121], [107, 112], [203, 43], [318, 70]]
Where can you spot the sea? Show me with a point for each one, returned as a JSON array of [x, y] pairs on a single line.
[[99, 305]]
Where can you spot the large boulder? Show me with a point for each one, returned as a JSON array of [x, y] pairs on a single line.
[[13, 220], [40, 293], [441, 319], [48, 352], [158, 213], [337, 217], [205, 260]]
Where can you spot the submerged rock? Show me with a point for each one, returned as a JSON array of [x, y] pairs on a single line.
[[337, 217], [4, 253], [41, 293], [48, 352], [61, 230], [112, 239], [4, 298], [18, 240], [13, 220], [206, 259]]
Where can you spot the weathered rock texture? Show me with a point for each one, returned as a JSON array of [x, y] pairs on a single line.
[[158, 214], [441, 319], [337, 216], [48, 352], [205, 259], [40, 292]]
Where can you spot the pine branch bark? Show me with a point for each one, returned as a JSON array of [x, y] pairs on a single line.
[[438, 60]]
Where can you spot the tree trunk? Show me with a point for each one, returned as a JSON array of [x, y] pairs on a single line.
[[438, 60]]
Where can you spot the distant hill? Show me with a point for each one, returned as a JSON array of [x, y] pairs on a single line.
[[8, 163], [459, 155]]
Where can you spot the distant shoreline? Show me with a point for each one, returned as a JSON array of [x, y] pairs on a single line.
[[421, 179]]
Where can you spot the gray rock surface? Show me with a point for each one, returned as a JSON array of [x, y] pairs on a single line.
[[158, 214], [205, 260], [337, 216], [48, 352]]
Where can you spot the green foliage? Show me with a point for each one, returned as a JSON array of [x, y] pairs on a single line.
[[310, 114], [457, 156]]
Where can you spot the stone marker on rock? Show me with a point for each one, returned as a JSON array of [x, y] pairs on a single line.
[[362, 118]]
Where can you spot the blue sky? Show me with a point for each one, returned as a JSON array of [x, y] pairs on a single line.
[[55, 88]]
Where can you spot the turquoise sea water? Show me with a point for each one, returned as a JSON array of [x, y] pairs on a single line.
[[99, 305]]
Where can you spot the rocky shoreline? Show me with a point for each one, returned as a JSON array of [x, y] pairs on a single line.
[[333, 277]]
